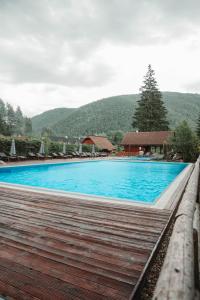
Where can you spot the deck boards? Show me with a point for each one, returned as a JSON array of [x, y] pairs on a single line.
[[54, 247]]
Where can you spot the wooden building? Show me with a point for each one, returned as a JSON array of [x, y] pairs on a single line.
[[100, 142], [154, 141]]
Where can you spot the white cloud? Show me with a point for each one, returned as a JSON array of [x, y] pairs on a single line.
[[70, 52]]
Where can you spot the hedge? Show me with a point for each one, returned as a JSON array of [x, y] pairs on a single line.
[[24, 145]]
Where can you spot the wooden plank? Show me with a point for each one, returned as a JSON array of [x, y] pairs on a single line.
[[80, 249], [58, 287], [176, 280], [196, 235], [14, 293], [101, 205], [132, 222]]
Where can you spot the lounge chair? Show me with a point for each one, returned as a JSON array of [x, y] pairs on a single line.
[[68, 155], [40, 156], [3, 156], [77, 154], [177, 157], [89, 154], [32, 155], [84, 155], [62, 155], [148, 154], [21, 157], [13, 157], [103, 154], [156, 156], [74, 154], [54, 155]]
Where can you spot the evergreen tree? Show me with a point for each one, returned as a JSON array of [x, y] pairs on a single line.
[[11, 119], [13, 122], [198, 127], [150, 114], [115, 136], [3, 125], [27, 126], [19, 120], [46, 132]]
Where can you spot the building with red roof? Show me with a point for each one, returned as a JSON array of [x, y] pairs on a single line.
[[101, 142], [133, 142]]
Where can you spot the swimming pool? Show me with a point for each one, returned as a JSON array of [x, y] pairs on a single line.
[[139, 181]]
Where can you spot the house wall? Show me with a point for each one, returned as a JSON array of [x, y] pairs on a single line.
[[131, 148], [134, 150]]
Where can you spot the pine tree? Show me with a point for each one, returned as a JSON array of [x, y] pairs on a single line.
[[11, 119], [3, 126], [19, 119], [198, 127], [27, 126], [150, 114]]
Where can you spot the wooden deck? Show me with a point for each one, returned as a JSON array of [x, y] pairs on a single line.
[[54, 247]]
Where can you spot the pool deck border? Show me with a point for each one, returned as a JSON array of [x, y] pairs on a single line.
[[167, 200]]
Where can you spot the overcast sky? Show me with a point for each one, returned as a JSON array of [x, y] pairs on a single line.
[[66, 53]]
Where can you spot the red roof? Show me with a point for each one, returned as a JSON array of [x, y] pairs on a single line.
[[146, 138], [100, 141]]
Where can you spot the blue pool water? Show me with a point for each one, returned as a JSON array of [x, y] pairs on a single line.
[[141, 181]]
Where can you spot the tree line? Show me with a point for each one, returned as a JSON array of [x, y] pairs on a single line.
[[13, 122]]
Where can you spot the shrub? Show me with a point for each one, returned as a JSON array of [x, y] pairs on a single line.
[[185, 142]]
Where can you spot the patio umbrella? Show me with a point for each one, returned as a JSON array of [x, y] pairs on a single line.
[[93, 149], [80, 149], [42, 151], [64, 148], [12, 148]]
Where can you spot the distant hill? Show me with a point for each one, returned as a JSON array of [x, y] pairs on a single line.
[[115, 113], [50, 118]]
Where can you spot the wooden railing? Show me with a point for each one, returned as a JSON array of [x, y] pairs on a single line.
[[179, 277]]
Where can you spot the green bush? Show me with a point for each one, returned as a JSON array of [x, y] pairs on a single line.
[[23, 145], [185, 142], [70, 148], [54, 147]]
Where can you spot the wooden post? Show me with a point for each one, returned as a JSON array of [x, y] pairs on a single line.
[[176, 280], [196, 229]]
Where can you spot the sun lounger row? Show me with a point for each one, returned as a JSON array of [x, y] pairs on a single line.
[[31, 155], [89, 154], [5, 157]]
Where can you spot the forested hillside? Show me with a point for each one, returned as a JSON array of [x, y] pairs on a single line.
[[115, 113], [49, 118]]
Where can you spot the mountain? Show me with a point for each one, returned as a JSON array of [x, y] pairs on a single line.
[[115, 113], [50, 118]]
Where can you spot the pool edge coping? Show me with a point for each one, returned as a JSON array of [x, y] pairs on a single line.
[[161, 203]]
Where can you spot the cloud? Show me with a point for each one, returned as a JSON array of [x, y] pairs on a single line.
[[59, 41], [193, 86]]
